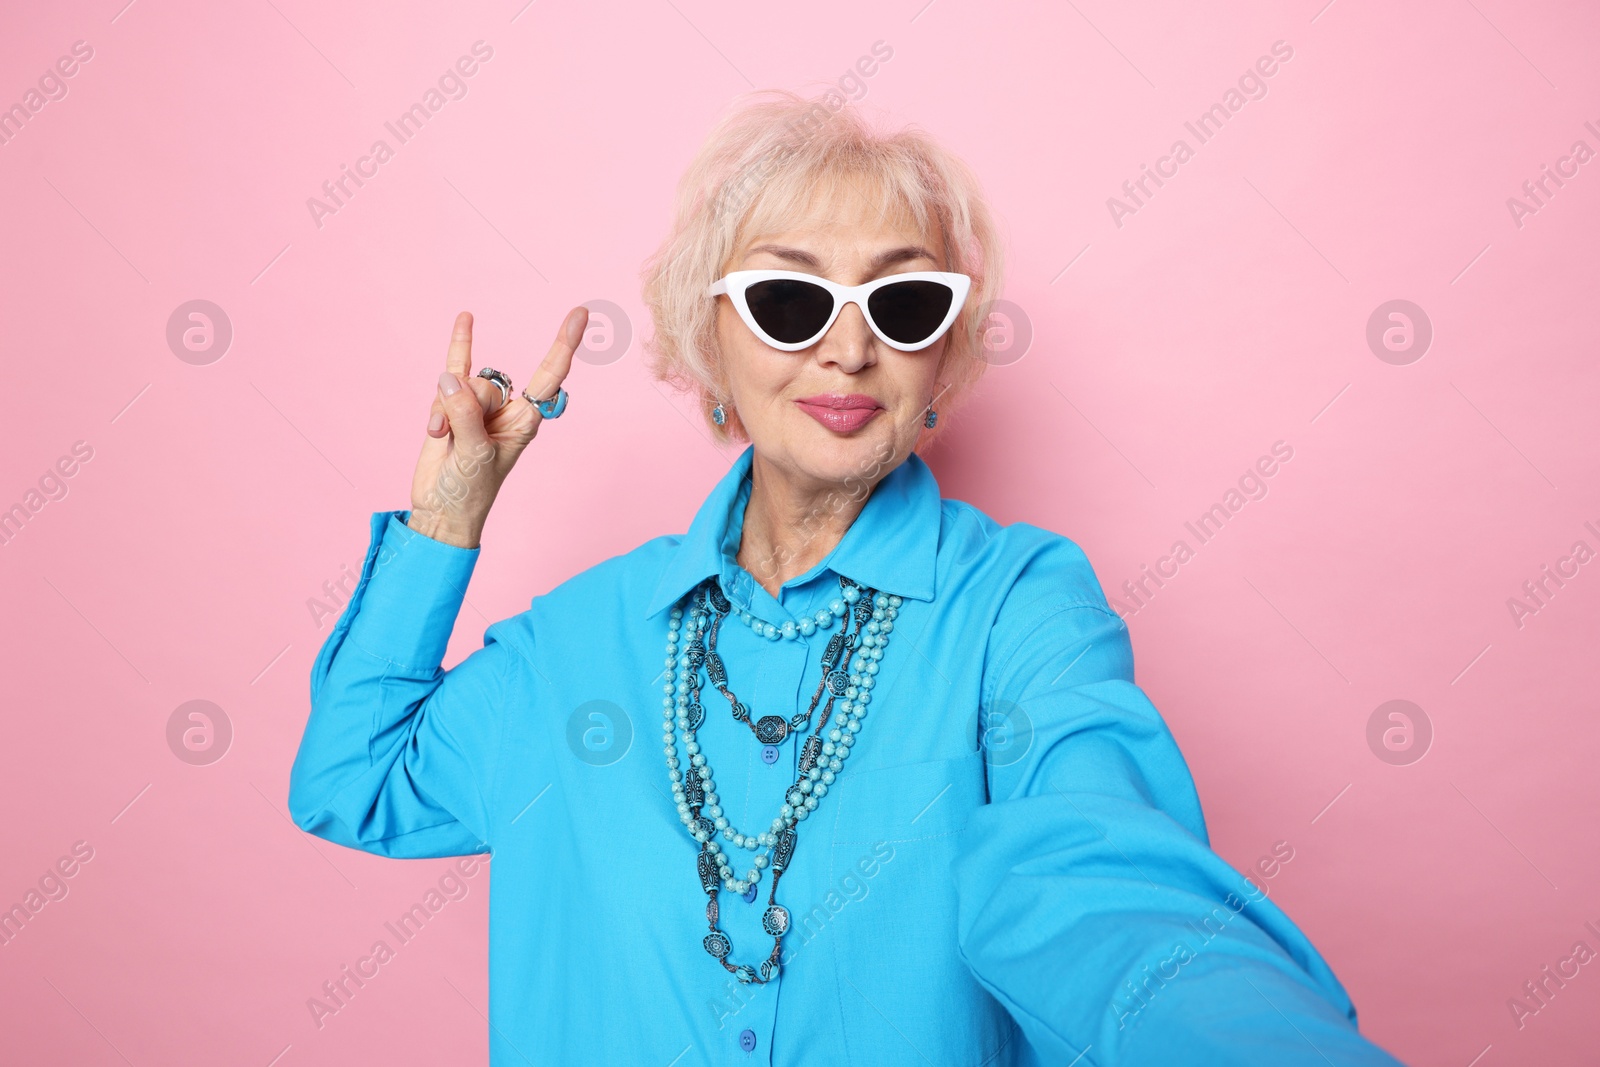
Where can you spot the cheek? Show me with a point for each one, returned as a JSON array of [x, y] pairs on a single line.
[[754, 372], [733, 343], [915, 376]]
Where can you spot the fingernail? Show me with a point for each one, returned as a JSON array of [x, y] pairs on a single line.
[[436, 423], [449, 385], [574, 327]]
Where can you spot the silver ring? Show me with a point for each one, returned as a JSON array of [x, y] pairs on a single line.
[[499, 379], [551, 408]]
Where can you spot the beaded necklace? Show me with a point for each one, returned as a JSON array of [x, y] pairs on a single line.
[[821, 758]]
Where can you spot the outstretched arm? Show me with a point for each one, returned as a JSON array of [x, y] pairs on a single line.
[[1091, 904]]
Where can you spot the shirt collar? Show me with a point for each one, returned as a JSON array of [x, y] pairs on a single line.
[[891, 546]]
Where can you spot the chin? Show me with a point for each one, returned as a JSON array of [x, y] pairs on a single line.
[[862, 455]]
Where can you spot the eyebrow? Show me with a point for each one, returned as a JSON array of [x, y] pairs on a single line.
[[882, 260]]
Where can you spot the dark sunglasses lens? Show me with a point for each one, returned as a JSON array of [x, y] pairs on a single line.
[[789, 310], [909, 312]]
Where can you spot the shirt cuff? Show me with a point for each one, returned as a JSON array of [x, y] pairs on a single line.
[[411, 591]]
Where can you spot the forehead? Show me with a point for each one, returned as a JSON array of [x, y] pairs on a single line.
[[841, 212]]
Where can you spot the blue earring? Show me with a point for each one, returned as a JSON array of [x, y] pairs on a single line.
[[933, 417], [718, 416]]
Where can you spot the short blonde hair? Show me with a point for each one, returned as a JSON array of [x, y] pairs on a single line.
[[762, 164]]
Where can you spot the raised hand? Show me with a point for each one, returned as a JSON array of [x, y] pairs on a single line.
[[474, 439]]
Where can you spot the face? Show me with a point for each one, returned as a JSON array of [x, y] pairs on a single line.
[[845, 239]]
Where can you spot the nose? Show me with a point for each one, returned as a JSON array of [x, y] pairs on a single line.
[[848, 342]]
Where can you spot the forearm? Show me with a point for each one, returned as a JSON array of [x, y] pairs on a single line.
[[374, 686]]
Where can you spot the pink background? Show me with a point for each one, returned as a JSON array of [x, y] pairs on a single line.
[[1168, 353]]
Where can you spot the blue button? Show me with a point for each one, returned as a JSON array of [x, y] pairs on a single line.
[[749, 894], [769, 754], [747, 1040]]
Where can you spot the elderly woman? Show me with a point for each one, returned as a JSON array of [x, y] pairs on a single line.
[[908, 804]]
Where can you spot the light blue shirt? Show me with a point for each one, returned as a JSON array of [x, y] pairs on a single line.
[[1011, 868]]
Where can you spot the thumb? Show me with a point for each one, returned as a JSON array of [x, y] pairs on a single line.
[[463, 413]]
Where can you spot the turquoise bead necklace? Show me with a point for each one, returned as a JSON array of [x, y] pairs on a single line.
[[691, 648], [772, 729]]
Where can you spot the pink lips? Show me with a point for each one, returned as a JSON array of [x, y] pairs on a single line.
[[842, 414]]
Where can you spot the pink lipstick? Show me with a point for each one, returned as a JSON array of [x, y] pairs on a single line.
[[842, 414]]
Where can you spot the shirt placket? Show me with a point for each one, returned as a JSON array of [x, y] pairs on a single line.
[[773, 672]]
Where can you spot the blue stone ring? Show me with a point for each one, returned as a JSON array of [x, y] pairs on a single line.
[[552, 408]]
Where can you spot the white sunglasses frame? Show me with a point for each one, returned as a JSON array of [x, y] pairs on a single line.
[[733, 286]]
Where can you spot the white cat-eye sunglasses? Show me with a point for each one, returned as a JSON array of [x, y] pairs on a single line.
[[790, 310]]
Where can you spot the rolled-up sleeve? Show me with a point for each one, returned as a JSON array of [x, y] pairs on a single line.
[[398, 757], [1090, 902]]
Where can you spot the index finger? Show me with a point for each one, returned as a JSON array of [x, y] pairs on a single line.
[[458, 360], [547, 379]]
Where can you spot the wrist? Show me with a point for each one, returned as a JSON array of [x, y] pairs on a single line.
[[444, 529]]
